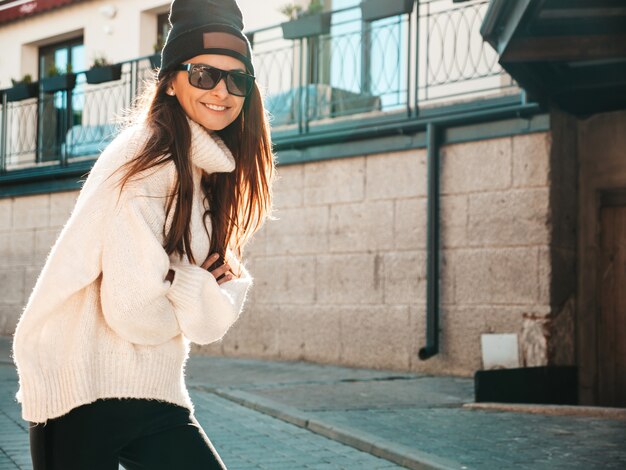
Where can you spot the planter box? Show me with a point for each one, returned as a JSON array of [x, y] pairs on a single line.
[[58, 83], [108, 73], [155, 60], [22, 91], [372, 10], [306, 26]]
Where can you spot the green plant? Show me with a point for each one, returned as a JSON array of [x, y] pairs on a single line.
[[293, 11], [100, 61], [316, 6], [26, 79], [53, 70]]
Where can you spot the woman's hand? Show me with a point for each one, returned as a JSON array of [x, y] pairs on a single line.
[[217, 272]]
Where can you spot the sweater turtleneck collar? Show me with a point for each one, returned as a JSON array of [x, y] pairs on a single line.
[[208, 150]]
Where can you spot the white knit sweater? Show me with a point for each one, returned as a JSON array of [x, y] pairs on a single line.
[[102, 321]]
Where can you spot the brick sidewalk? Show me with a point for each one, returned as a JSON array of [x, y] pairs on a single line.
[[415, 420], [279, 415], [245, 439]]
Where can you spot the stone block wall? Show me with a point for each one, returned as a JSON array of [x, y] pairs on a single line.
[[340, 276], [29, 226]]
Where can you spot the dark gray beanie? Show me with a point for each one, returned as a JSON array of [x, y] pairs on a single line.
[[205, 27]]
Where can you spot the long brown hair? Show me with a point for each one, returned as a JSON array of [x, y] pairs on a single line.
[[238, 201]]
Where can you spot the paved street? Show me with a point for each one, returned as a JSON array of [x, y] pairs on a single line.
[[246, 439], [277, 415]]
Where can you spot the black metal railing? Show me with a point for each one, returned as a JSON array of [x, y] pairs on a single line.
[[400, 65], [67, 125], [457, 63]]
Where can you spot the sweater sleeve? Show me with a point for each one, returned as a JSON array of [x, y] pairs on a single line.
[[140, 305], [237, 288], [207, 317]]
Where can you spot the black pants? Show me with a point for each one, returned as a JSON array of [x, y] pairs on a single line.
[[139, 434]]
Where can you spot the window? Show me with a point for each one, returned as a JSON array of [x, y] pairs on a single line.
[[68, 55], [368, 58], [163, 27], [59, 111]]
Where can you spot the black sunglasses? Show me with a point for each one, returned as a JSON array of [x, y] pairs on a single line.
[[207, 77]]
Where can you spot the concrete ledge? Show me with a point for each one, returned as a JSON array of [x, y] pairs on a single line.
[[552, 410], [398, 454]]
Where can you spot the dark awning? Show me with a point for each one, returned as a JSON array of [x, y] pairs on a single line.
[[568, 52], [12, 10]]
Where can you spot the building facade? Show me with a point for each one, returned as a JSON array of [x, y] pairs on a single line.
[[424, 203]]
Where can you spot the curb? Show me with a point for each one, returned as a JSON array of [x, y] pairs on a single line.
[[552, 410], [396, 453]]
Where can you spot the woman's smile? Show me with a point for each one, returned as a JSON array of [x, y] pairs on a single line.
[[215, 107]]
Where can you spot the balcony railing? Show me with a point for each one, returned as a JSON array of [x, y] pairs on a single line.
[[396, 66]]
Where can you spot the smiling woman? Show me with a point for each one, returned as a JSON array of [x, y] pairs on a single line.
[[160, 223], [213, 89]]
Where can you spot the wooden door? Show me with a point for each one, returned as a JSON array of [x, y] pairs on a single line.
[[612, 315]]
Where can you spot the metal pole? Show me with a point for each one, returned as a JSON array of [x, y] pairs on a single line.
[[366, 50], [432, 263], [67, 126], [408, 67], [3, 136], [133, 81], [427, 52], [417, 59], [301, 82], [310, 57]]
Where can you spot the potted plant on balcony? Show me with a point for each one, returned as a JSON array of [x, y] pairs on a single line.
[[22, 89], [305, 23], [155, 59], [57, 80], [372, 10], [102, 71]]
